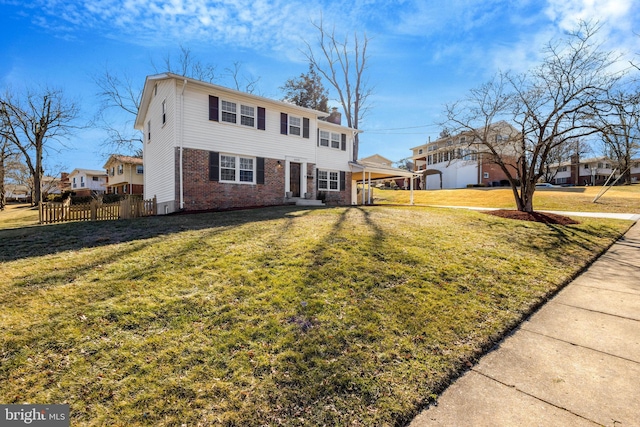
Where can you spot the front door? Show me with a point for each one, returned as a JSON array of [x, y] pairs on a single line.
[[294, 179]]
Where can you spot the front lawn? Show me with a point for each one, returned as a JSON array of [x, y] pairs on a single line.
[[620, 199], [279, 316]]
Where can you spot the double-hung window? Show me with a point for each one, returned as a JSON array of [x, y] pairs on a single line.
[[228, 111], [329, 139], [247, 115], [335, 140], [139, 169], [324, 138], [295, 125], [120, 169], [237, 169], [328, 180]]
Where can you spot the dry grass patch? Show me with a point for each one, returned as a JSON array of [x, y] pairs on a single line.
[[281, 316], [623, 199]]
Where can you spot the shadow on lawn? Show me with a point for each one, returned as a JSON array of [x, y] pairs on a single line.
[[51, 239]]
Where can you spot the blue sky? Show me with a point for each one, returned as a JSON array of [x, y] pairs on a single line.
[[423, 53]]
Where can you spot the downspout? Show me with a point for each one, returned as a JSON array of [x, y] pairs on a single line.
[[184, 85]]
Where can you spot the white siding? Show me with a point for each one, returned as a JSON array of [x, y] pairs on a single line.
[[333, 158], [159, 152], [454, 175], [238, 139]]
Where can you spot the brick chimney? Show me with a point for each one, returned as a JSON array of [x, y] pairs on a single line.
[[335, 116]]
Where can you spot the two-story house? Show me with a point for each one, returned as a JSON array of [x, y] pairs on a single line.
[[591, 171], [125, 174], [458, 161], [87, 182], [211, 147]]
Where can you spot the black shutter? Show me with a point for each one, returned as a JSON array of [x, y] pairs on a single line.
[[260, 170], [214, 166], [262, 121], [317, 181], [305, 128], [284, 123], [344, 142], [343, 184], [318, 141], [213, 108]]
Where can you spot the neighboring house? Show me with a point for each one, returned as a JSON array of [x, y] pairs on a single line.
[[17, 193], [50, 185], [592, 171], [457, 161], [86, 182], [125, 175], [211, 147], [401, 179]]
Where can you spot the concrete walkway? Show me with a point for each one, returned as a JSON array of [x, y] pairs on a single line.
[[575, 362]]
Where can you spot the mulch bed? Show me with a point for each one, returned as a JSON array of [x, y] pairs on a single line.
[[547, 218]]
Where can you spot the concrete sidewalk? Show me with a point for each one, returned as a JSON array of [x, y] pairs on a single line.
[[575, 362]]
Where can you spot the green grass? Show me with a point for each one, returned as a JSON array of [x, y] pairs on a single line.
[[622, 199], [18, 215], [280, 316]]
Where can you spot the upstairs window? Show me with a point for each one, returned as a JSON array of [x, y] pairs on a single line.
[[247, 116], [335, 140], [120, 169], [295, 125], [228, 111], [324, 138], [139, 169]]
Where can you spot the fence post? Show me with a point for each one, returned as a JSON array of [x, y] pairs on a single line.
[[94, 209]]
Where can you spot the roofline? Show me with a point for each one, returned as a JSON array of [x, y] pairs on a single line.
[[91, 171], [146, 98]]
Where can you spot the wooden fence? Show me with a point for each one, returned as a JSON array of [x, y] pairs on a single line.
[[129, 207]]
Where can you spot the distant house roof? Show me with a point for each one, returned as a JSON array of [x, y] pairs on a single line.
[[89, 172], [119, 158], [379, 171], [377, 159]]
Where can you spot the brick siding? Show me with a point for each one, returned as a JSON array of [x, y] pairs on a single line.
[[202, 194]]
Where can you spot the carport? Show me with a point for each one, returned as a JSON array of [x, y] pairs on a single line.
[[366, 172]]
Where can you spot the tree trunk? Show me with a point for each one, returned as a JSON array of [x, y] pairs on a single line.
[[3, 201], [524, 198]]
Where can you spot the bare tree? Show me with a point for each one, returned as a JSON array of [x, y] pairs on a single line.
[[33, 122], [187, 65], [242, 82], [621, 131], [119, 102], [344, 65], [550, 106], [6, 154], [120, 96]]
